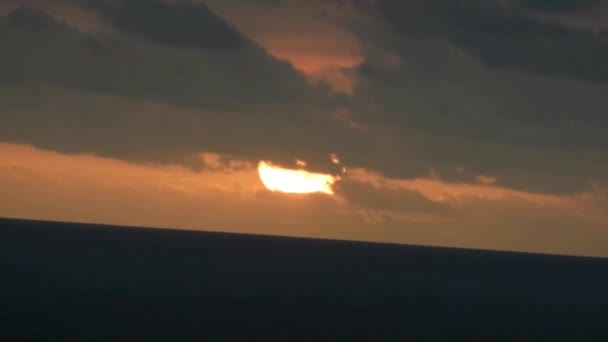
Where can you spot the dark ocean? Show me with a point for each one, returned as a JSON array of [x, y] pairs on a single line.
[[81, 282]]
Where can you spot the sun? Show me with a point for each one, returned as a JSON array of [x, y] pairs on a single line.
[[295, 181]]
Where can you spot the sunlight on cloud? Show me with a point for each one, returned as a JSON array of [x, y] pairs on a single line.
[[308, 34], [455, 193], [111, 173], [363, 205]]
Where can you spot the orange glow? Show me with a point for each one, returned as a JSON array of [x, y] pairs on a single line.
[[46, 185], [308, 34], [295, 181]]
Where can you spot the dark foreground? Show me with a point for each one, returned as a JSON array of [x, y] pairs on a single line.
[[66, 282]]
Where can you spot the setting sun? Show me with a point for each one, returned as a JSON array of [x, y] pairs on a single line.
[[295, 181]]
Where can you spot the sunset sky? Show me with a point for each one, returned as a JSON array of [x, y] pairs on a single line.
[[464, 123]]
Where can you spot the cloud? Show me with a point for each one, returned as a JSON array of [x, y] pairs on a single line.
[[28, 19], [311, 35], [505, 37], [135, 130], [465, 123], [422, 104], [396, 200], [118, 64], [88, 188], [176, 24], [449, 109], [66, 11], [557, 6], [85, 188], [158, 102]]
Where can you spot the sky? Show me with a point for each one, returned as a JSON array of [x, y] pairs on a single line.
[[464, 123]]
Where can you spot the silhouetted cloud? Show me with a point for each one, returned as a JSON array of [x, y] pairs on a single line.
[[505, 37], [155, 101], [368, 195], [557, 6], [116, 64], [466, 84], [29, 19], [177, 24]]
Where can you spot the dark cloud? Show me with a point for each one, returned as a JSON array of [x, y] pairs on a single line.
[[533, 133], [126, 97], [177, 24], [369, 196], [119, 65], [29, 19], [452, 106], [505, 37], [430, 105], [557, 6]]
